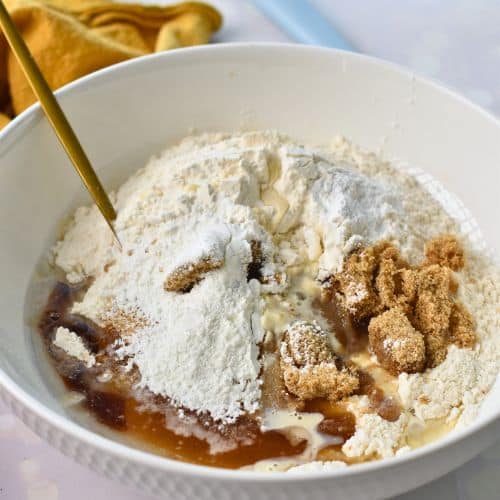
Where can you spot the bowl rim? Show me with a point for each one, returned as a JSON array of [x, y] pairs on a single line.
[[144, 458]]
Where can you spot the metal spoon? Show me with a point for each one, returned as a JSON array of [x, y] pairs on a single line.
[[57, 118]]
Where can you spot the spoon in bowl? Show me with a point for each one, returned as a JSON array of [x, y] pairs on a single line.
[[57, 119]]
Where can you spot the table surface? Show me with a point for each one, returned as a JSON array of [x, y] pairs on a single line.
[[455, 41]]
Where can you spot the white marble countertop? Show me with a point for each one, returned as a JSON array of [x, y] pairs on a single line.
[[455, 41]]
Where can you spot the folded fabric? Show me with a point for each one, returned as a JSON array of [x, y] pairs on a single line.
[[70, 38]]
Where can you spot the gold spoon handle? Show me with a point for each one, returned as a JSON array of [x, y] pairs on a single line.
[[56, 116]]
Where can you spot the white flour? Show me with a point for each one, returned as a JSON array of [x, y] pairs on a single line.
[[374, 435], [212, 196], [73, 345]]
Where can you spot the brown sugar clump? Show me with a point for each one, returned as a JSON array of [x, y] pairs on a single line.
[[403, 301], [395, 280], [355, 283], [445, 251], [397, 345], [184, 277], [320, 381], [306, 344], [309, 366], [433, 309], [462, 326]]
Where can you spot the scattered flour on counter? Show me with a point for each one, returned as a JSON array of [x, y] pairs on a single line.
[[73, 345]]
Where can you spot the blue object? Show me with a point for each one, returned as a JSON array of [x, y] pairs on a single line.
[[303, 23]]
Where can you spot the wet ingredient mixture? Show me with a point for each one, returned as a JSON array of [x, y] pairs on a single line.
[[274, 307]]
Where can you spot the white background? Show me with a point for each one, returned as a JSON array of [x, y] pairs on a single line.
[[456, 41]]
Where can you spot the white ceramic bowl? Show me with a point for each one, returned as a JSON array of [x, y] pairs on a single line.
[[128, 112]]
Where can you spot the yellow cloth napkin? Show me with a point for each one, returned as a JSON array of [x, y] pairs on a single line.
[[70, 38]]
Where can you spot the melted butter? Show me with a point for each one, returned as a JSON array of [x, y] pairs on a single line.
[[418, 433], [421, 433], [303, 291], [296, 304], [272, 465], [384, 380], [276, 315], [303, 279], [271, 198], [299, 426], [274, 170]]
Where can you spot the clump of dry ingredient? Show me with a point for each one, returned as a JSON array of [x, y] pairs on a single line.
[[411, 310], [432, 310], [71, 343], [445, 251], [395, 280], [355, 283], [184, 277], [310, 367], [461, 326]]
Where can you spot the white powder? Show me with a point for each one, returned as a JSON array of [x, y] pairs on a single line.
[[353, 209], [210, 243], [73, 345], [374, 435], [363, 200], [202, 349], [197, 348], [212, 196]]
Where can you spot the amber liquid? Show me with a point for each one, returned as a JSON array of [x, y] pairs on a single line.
[[113, 406], [153, 426]]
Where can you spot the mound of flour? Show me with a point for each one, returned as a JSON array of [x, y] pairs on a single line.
[[215, 196]]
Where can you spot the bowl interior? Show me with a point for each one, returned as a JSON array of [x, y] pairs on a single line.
[[127, 113]]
